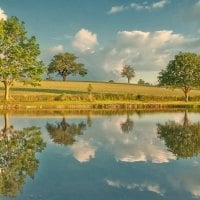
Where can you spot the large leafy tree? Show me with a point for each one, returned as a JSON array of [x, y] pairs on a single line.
[[182, 72], [64, 64], [183, 140], [18, 55], [18, 160], [128, 72]]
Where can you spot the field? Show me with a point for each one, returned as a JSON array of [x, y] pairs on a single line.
[[72, 87], [78, 91]]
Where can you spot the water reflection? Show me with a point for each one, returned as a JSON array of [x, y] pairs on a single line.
[[128, 125], [18, 160], [64, 132], [183, 140], [94, 152]]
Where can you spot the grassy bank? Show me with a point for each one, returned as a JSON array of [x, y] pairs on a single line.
[[98, 105]]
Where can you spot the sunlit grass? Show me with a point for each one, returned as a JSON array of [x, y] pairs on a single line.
[[72, 87]]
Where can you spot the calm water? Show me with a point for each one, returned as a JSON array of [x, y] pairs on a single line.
[[147, 156]]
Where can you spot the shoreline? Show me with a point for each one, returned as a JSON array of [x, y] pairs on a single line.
[[103, 105]]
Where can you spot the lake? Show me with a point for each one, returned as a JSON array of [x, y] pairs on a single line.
[[114, 156]]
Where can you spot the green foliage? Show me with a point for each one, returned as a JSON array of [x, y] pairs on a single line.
[[65, 64], [128, 72], [182, 72], [18, 55], [65, 133]]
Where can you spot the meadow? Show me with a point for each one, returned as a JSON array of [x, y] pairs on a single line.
[[71, 94]]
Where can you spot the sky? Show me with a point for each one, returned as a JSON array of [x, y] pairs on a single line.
[[108, 34]]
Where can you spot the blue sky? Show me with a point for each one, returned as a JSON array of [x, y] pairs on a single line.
[[107, 34]]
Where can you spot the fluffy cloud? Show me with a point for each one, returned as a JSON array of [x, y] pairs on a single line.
[[2, 15], [138, 6], [85, 40], [57, 49]]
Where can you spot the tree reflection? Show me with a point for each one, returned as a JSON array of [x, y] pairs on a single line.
[[64, 132], [18, 150], [182, 139], [127, 126]]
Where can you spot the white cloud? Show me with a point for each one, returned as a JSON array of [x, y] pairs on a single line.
[[57, 49], [83, 151], [116, 9], [2, 15], [143, 50], [159, 4], [139, 6], [85, 40]]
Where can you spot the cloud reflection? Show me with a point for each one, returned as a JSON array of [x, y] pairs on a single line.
[[83, 151]]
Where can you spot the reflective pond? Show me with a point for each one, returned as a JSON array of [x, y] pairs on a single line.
[[111, 156]]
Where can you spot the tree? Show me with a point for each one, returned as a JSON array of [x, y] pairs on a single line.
[[141, 82], [182, 72], [65, 64], [128, 72], [65, 133], [18, 150], [18, 55], [183, 140]]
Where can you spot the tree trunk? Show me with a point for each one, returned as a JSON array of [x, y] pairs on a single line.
[[186, 96], [186, 91], [64, 77], [129, 80], [185, 119], [6, 125], [7, 89], [6, 122]]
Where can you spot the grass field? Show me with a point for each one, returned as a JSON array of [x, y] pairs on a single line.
[[72, 87], [74, 92]]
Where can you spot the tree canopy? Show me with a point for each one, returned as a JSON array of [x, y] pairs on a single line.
[[182, 72], [18, 55], [128, 72], [64, 64]]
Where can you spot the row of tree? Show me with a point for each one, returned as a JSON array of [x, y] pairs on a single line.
[[19, 62]]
